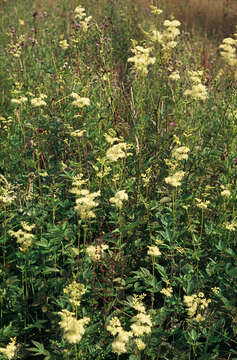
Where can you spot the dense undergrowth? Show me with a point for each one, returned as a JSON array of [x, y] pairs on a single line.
[[118, 165]]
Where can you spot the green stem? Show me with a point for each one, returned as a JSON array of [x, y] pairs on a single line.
[[202, 222], [153, 282]]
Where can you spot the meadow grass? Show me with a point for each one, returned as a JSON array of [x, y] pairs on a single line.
[[118, 165]]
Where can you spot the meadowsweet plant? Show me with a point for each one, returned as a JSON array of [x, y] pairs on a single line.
[[119, 343], [7, 193], [86, 222], [168, 291], [80, 15], [96, 253], [79, 101], [85, 200], [39, 101], [165, 38], [23, 236], [228, 53], [73, 329], [198, 90], [85, 204], [141, 325], [75, 291], [21, 100], [78, 133], [154, 252], [232, 225], [10, 350], [196, 306], [174, 76], [225, 193], [176, 175], [117, 151], [203, 205], [141, 59], [64, 44], [155, 10], [175, 179], [118, 199]]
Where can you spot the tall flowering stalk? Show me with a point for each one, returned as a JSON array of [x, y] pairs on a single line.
[[153, 251], [141, 59], [131, 341], [118, 201], [175, 177], [7, 196], [228, 53], [73, 328], [198, 90], [166, 38], [24, 238], [203, 206], [85, 204]]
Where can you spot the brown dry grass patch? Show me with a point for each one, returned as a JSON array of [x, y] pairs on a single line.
[[214, 17]]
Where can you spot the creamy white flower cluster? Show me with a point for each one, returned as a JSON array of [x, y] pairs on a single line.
[[96, 252], [116, 151], [23, 236], [142, 324], [196, 304], [198, 91], [178, 154], [228, 50], [7, 194], [10, 350], [74, 291], [73, 329], [85, 201], [84, 20], [141, 59], [167, 37], [79, 102]]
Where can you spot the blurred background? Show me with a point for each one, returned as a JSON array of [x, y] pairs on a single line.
[[211, 17]]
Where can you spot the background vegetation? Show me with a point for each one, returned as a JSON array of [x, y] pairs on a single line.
[[118, 165]]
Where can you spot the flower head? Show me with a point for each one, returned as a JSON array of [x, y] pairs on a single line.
[[39, 101], [73, 328], [24, 237], [119, 347], [96, 252], [175, 179], [167, 291], [63, 44], [10, 349], [75, 291], [80, 101], [117, 151], [198, 90], [180, 153], [86, 203], [202, 204], [153, 251], [141, 59], [118, 199], [155, 10], [225, 191], [174, 76]]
